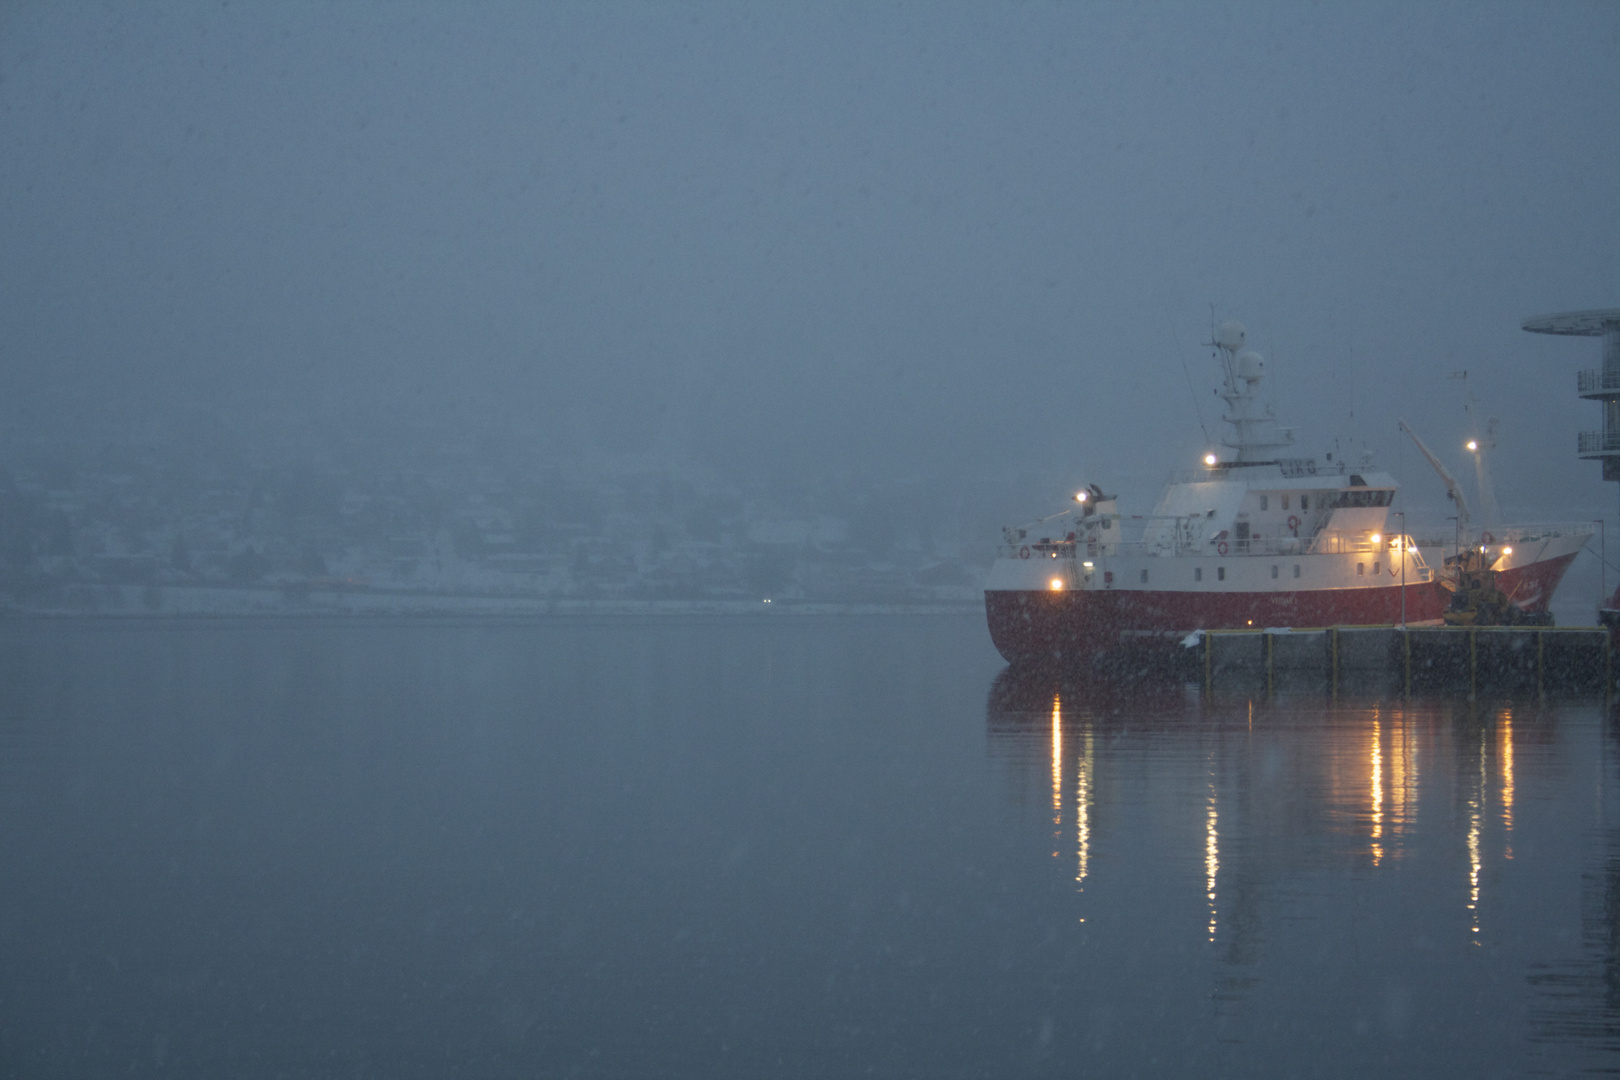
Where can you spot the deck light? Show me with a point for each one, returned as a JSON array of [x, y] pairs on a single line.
[[1057, 584], [1210, 460], [1507, 551], [1472, 446], [1086, 564], [1376, 537], [1082, 496]]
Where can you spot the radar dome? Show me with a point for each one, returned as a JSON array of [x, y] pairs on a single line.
[[1230, 335], [1251, 366]]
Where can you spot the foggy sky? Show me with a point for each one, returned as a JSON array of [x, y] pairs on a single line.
[[904, 238]]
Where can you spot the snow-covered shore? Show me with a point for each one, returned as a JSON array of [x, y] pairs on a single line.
[[157, 601]]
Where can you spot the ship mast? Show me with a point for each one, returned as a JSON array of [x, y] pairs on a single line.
[[1256, 437], [1479, 441]]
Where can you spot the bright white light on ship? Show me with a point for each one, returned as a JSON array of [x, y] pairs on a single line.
[[1082, 496], [1376, 537], [1086, 564], [1472, 446], [1507, 551], [1057, 584], [1210, 460]]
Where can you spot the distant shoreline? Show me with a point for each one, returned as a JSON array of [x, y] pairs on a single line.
[[200, 601]]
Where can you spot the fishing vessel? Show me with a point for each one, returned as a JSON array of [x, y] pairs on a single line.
[[1256, 537]]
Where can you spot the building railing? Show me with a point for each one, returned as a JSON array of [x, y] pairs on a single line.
[[1598, 442], [1597, 381]]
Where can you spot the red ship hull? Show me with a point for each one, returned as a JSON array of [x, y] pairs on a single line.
[[1531, 587], [1034, 626]]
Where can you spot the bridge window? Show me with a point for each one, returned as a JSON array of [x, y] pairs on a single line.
[[1220, 573], [1285, 502], [1198, 573], [1262, 502], [1274, 572], [1296, 565], [1304, 502], [1361, 569], [1362, 497], [1144, 577]]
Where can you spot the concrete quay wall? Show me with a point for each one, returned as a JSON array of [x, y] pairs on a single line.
[[1390, 658]]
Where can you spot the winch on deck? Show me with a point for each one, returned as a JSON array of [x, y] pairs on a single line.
[[1477, 599]]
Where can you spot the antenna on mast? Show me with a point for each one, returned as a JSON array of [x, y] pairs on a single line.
[[1198, 408], [1480, 439]]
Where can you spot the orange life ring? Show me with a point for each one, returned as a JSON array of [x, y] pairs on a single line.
[[1486, 538], [1293, 522], [1023, 552], [1220, 548]]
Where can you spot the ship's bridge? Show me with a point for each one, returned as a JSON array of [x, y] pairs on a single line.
[[1265, 507]]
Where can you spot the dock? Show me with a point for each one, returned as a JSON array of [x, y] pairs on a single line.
[[1393, 658]]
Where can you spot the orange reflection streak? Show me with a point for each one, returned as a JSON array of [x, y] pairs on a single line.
[[1377, 792], [1212, 857], [1475, 812], [1057, 767], [1400, 751], [1507, 781], [1082, 809]]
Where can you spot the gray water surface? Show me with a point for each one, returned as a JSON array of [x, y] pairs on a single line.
[[774, 847]]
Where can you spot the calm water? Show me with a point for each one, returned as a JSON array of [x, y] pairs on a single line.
[[774, 847]]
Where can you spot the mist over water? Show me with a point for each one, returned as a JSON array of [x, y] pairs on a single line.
[[811, 846]]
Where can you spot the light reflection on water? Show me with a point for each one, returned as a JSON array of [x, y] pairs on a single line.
[[1212, 859], [1388, 827]]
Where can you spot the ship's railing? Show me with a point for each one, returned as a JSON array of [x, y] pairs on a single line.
[[1525, 534], [1328, 543], [1347, 544], [1275, 547], [1598, 442], [1513, 534], [1508, 536], [1037, 549]]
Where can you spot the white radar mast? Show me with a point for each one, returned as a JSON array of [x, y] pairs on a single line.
[[1256, 437]]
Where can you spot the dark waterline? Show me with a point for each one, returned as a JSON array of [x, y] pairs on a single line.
[[809, 847]]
